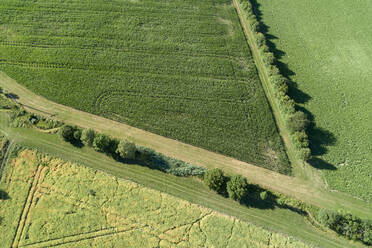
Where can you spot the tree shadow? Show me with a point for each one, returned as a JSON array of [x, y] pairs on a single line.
[[319, 138], [321, 164], [4, 195], [254, 200], [11, 96]]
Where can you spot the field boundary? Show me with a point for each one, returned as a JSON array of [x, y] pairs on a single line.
[[300, 168]]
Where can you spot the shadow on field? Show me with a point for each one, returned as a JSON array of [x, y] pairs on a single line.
[[11, 96], [319, 138], [4, 195]]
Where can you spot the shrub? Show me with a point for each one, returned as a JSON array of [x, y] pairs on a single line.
[[126, 149], [216, 180], [87, 137], [101, 143], [237, 187], [347, 225], [67, 133]]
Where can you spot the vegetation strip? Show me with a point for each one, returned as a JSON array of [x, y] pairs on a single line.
[[292, 123]]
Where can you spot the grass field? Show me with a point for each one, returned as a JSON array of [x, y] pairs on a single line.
[[181, 69], [57, 203], [325, 48]]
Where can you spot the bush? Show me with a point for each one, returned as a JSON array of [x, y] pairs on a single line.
[[101, 143], [346, 225], [87, 137], [237, 187], [67, 133], [216, 180], [126, 149], [166, 164]]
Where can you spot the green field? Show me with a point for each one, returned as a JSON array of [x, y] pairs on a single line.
[[181, 69], [325, 47], [55, 203]]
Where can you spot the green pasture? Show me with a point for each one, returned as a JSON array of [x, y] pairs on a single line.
[[325, 48], [181, 69]]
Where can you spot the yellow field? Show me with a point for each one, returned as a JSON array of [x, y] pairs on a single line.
[[57, 203]]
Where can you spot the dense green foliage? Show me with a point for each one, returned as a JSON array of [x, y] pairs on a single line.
[[294, 120], [70, 134], [237, 187], [216, 180], [347, 225], [87, 136], [332, 72], [101, 143], [126, 149], [181, 69]]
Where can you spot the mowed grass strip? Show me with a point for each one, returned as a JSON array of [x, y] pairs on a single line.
[[74, 206], [329, 55], [181, 69]]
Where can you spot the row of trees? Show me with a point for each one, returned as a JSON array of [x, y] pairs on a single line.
[[100, 142], [235, 187], [296, 121], [127, 150], [347, 225]]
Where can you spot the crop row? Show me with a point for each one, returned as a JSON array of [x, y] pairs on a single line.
[[117, 60]]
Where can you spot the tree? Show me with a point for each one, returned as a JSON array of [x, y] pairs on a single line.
[[237, 187], [67, 133], [87, 137], [126, 149], [298, 122], [101, 143], [215, 180]]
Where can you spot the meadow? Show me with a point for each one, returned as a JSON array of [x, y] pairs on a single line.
[[324, 48], [181, 69], [56, 203]]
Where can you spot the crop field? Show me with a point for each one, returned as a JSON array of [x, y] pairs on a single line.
[[325, 47], [181, 69], [55, 203]]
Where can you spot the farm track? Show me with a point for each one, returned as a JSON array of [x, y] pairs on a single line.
[[85, 236], [26, 208], [5, 158], [295, 187]]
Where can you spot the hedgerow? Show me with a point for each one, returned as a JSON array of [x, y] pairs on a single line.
[[295, 121]]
